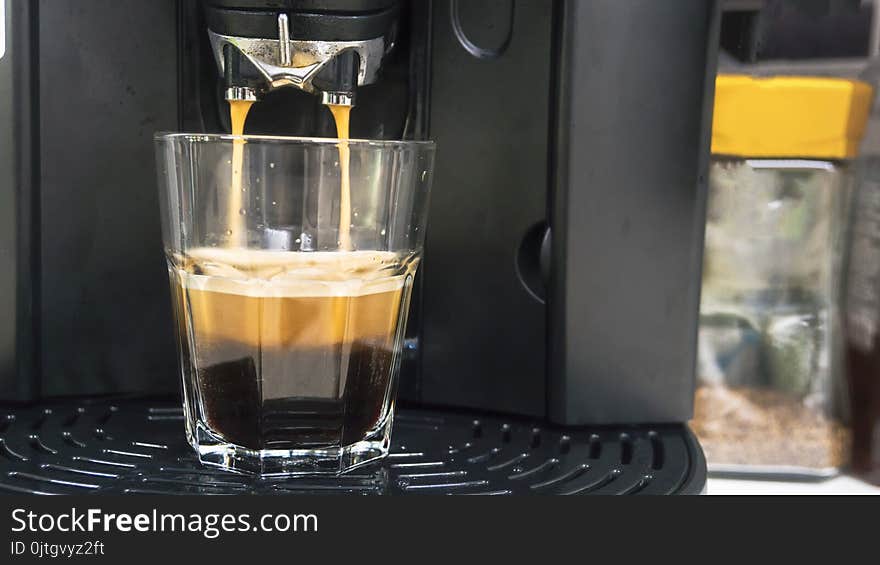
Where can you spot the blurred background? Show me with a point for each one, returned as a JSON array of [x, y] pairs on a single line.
[[788, 381]]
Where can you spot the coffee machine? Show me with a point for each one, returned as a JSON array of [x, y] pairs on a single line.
[[560, 287]]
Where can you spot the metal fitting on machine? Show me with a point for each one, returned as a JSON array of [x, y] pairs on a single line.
[[241, 93], [337, 98]]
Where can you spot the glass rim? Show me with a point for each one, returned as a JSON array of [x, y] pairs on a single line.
[[291, 140]]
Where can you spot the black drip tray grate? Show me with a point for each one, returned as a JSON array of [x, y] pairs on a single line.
[[138, 447]]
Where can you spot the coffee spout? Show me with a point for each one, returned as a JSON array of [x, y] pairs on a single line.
[[241, 79], [332, 69], [338, 79]]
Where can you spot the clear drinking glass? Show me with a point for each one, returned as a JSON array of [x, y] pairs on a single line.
[[291, 292]]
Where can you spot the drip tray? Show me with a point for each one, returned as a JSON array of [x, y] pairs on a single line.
[[139, 447]]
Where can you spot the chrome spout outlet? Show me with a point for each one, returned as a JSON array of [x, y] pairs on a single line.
[[332, 69]]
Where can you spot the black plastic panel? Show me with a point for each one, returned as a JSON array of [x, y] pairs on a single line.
[[350, 21], [322, 6], [107, 83], [483, 338], [19, 175], [632, 136], [765, 30], [138, 447]]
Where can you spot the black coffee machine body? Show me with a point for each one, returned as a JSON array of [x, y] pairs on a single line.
[[562, 265]]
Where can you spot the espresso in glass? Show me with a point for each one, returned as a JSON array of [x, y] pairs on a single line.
[[291, 263], [292, 350]]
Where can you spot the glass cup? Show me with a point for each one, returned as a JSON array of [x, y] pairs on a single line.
[[291, 290]]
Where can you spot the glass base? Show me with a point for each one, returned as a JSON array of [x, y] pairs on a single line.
[[326, 461]]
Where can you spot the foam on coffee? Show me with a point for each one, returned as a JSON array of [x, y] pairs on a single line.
[[303, 272], [292, 299]]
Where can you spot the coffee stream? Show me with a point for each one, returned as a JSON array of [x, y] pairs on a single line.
[[238, 111], [341, 115], [290, 349], [236, 213]]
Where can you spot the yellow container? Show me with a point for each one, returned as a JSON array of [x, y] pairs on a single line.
[[769, 348], [805, 117]]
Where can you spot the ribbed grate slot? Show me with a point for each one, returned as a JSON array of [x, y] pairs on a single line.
[[600, 483], [595, 446], [37, 423], [37, 445], [641, 485], [9, 453], [13, 489], [42, 480], [76, 471], [563, 478], [477, 429], [486, 456], [524, 474], [105, 417], [6, 422], [509, 463], [71, 441], [564, 445], [74, 417], [658, 452], [626, 449], [535, 441]]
